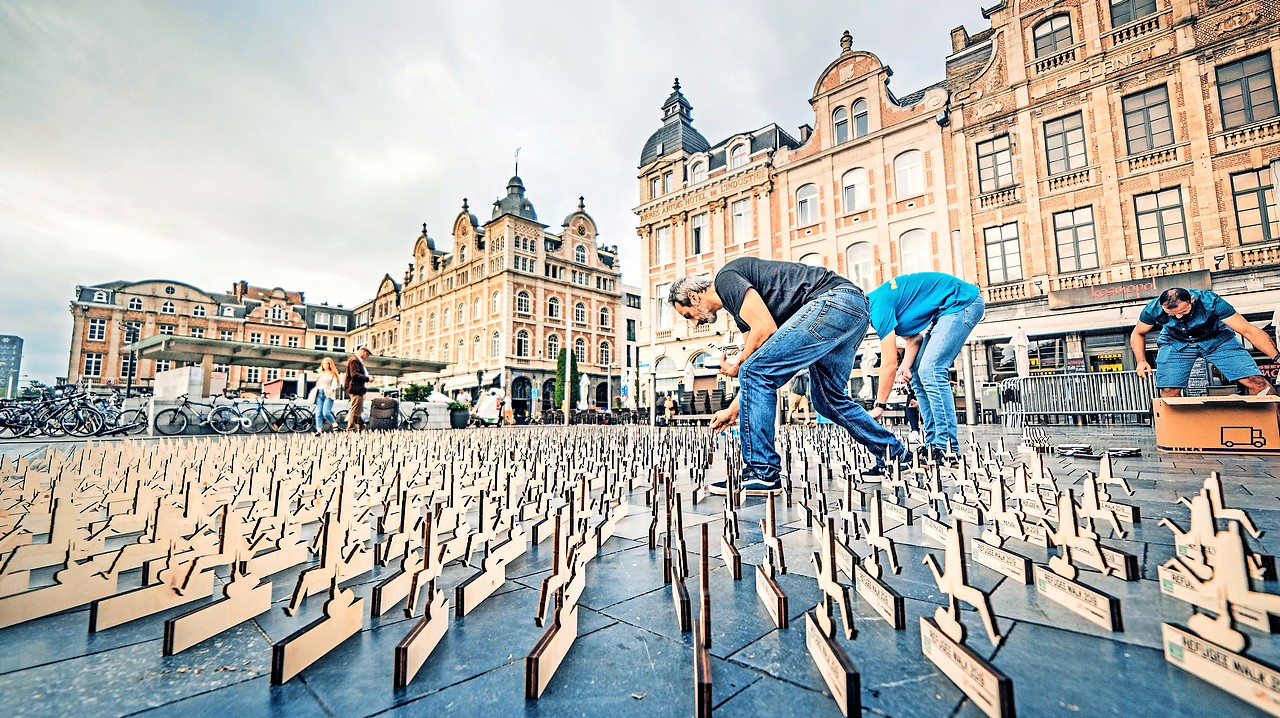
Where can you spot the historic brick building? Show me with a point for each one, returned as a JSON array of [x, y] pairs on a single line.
[[107, 317], [505, 300], [1105, 151]]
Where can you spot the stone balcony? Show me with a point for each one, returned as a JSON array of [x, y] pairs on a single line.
[[1249, 135], [1053, 62], [1151, 160], [998, 198], [1069, 180], [1134, 30]]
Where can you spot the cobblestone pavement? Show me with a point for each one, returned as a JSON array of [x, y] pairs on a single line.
[[632, 659]]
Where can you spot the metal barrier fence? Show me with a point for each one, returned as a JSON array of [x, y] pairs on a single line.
[[1084, 397]]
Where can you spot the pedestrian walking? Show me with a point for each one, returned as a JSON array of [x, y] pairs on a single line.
[[354, 384], [325, 391]]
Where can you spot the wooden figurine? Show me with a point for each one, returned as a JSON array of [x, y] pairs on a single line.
[[342, 619], [702, 691], [837, 669], [771, 594]]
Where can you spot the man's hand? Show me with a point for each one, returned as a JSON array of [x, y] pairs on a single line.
[[723, 419], [904, 375], [729, 368], [1143, 368], [876, 413]]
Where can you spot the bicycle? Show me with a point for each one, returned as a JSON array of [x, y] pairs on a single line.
[[292, 417], [255, 417], [119, 420], [222, 418], [416, 419]]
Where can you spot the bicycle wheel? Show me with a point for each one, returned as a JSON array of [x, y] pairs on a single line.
[[254, 420], [302, 419], [224, 420], [132, 421], [15, 421], [89, 421], [171, 421], [341, 418], [58, 424], [418, 419]]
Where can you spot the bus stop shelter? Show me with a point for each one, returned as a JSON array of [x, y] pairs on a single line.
[[207, 352]]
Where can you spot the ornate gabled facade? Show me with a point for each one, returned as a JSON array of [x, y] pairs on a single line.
[[1105, 151]]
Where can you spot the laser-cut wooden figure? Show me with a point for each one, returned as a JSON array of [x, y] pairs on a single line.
[[873, 531], [414, 649], [243, 598], [342, 619], [1073, 541], [729, 536], [773, 563], [953, 580], [702, 692]]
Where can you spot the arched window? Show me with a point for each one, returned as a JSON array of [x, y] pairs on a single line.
[[475, 348], [199, 311], [580, 313], [857, 192], [698, 173], [462, 313], [908, 174], [444, 318], [419, 332], [605, 318], [444, 352], [461, 351], [699, 360], [522, 343], [495, 345], [495, 303], [553, 307], [605, 353], [664, 365], [476, 310], [431, 323], [523, 303], [553, 346], [580, 254], [99, 296], [277, 313], [580, 349], [738, 156], [861, 125], [1052, 35], [840, 125], [913, 248], [431, 353], [462, 254], [813, 259], [167, 308], [860, 258], [807, 205], [135, 305]]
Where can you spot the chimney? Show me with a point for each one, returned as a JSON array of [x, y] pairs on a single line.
[[805, 131], [959, 38]]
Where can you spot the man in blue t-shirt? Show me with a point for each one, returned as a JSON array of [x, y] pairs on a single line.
[[907, 306], [1195, 324]]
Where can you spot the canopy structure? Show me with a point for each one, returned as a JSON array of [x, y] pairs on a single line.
[[207, 352]]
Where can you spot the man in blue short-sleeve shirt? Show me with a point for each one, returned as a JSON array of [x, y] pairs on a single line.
[[1197, 323], [906, 306]]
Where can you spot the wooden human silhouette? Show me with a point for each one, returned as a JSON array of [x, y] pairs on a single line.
[[1070, 539], [1091, 509], [954, 581], [834, 594], [873, 531]]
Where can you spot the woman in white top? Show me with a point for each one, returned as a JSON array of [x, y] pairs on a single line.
[[326, 391]]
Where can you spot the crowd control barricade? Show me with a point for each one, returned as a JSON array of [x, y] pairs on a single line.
[[1089, 398]]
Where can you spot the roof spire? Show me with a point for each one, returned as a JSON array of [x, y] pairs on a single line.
[[464, 204], [846, 42], [424, 229], [582, 205], [676, 86], [517, 172]]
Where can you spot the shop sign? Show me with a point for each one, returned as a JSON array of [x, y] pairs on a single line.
[[1134, 289]]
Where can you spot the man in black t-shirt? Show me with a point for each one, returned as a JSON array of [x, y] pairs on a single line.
[[793, 316]]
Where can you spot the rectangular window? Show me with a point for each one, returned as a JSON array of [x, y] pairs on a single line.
[[995, 164], [126, 365], [226, 335], [662, 246], [668, 181], [163, 365], [166, 329], [1162, 228], [741, 212], [97, 330], [698, 234], [320, 343], [655, 188], [664, 307], [1124, 12], [1064, 143], [290, 374], [631, 330], [292, 343], [339, 344], [197, 332], [1004, 254], [322, 320], [1147, 121], [274, 340], [1077, 241], [255, 337], [1255, 198], [339, 321], [273, 374], [1247, 91], [253, 375], [92, 364]]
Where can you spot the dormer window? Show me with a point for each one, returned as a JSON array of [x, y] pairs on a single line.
[[738, 156], [226, 311], [99, 296], [135, 304], [580, 254], [277, 313], [840, 125], [698, 173], [1053, 35]]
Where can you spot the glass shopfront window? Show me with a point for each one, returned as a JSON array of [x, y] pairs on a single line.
[[1045, 355], [1110, 352]]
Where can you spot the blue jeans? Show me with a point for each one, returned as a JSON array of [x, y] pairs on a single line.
[[931, 374], [324, 410], [823, 336], [1174, 360]]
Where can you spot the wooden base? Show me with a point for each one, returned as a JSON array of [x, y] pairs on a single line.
[[1002, 561], [989, 689], [206, 622], [683, 606], [390, 591], [131, 605], [414, 649], [311, 642], [1253, 682], [1176, 585], [732, 558], [895, 512], [887, 602], [1092, 604], [541, 663], [933, 529], [702, 693], [837, 669], [773, 598], [79, 589]]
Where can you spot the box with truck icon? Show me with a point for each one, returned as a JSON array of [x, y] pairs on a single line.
[[1218, 424]]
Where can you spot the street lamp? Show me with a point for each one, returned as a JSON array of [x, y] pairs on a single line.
[[130, 337], [479, 385]]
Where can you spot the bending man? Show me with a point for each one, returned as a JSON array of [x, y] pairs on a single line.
[[905, 307], [1197, 323], [792, 316]]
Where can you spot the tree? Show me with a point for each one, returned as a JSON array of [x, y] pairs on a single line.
[[573, 378]]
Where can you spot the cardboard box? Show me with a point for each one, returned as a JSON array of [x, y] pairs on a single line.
[[1218, 424]]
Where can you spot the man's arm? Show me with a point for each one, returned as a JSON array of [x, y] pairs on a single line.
[[756, 315], [1138, 343], [1256, 336], [914, 342], [888, 369]]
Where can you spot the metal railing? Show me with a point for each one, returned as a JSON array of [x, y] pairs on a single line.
[[1090, 396]]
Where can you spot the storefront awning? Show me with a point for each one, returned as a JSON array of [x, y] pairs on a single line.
[[196, 351]]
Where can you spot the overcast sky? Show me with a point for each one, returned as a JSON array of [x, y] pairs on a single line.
[[303, 144]]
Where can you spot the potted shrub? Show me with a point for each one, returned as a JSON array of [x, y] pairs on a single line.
[[459, 414]]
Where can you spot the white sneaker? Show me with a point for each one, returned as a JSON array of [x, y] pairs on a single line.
[[914, 437]]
